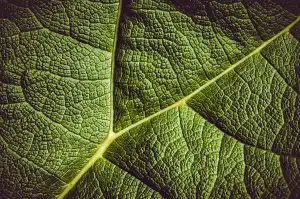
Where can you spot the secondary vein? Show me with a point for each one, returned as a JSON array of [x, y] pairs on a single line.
[[113, 136], [232, 67]]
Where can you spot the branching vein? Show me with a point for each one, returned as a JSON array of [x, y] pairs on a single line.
[[113, 136]]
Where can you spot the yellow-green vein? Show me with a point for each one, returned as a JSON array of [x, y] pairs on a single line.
[[113, 136]]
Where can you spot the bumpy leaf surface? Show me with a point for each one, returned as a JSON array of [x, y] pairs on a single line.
[[149, 99]]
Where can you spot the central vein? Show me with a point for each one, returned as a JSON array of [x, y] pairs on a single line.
[[113, 136]]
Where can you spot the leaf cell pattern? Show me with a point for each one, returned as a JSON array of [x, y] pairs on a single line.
[[149, 99]]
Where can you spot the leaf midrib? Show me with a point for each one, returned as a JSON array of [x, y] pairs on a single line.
[[112, 136]]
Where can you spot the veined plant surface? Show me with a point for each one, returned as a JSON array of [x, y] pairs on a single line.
[[149, 99]]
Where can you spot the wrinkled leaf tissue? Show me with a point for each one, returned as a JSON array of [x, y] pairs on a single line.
[[149, 99]]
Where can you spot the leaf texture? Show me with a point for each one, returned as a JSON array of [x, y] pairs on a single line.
[[149, 99]]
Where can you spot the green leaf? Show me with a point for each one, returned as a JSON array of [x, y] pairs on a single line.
[[149, 99]]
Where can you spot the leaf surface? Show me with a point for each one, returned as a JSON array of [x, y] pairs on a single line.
[[149, 99]]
